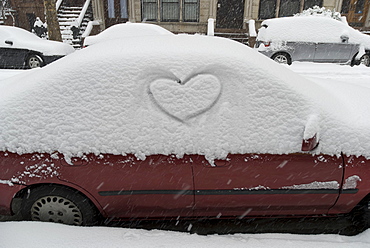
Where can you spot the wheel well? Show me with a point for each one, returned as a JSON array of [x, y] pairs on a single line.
[[22, 194], [362, 203], [33, 53], [283, 53]]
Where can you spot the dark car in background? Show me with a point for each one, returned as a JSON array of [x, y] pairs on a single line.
[[312, 38], [22, 49]]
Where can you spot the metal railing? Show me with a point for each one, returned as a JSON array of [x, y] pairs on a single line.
[[59, 2]]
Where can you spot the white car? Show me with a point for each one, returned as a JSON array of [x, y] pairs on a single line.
[[22, 49], [125, 30], [312, 38]]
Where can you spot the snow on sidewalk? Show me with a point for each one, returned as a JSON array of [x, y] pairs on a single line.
[[50, 235]]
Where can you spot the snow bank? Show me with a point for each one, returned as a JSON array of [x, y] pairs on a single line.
[[35, 235], [26, 40], [176, 95], [125, 30], [6, 73]]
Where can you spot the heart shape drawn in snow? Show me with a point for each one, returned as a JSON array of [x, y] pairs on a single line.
[[186, 100]]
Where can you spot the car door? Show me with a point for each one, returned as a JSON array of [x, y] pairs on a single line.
[[265, 184], [302, 51], [12, 58], [334, 52], [127, 187]]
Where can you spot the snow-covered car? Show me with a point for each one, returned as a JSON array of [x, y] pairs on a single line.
[[22, 49], [312, 38], [180, 126], [124, 30]]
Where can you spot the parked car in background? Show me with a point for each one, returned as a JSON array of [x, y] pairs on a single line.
[[124, 30], [180, 126], [312, 38], [22, 49]]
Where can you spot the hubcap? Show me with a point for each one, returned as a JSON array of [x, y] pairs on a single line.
[[281, 59], [34, 62], [56, 209]]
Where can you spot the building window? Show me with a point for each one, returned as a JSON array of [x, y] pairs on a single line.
[[345, 6], [111, 9], [360, 6], [191, 10], [280, 8], [170, 10], [267, 9], [117, 9], [310, 3], [149, 10], [124, 12], [289, 7]]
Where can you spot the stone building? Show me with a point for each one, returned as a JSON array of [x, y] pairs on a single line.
[[191, 16]]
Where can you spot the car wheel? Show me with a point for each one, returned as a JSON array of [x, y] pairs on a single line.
[[59, 204], [34, 61], [282, 58], [365, 60]]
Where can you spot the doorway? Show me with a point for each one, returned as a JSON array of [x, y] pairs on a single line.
[[355, 11], [230, 14]]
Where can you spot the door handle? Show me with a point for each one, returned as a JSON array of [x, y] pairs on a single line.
[[222, 163]]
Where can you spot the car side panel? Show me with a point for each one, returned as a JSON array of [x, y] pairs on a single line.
[[7, 193], [356, 179], [12, 58], [302, 51], [126, 187], [335, 52], [19, 171], [256, 185]]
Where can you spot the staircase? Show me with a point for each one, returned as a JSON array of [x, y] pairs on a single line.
[[67, 17], [239, 35]]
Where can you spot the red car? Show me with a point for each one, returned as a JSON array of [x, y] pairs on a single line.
[[179, 126]]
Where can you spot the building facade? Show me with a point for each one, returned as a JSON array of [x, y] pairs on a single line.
[[191, 16]]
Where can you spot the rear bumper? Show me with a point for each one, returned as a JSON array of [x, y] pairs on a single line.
[[7, 192], [267, 53]]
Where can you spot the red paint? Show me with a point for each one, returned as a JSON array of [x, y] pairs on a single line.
[[166, 186]]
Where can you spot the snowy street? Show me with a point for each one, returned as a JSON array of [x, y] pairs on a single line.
[[32, 234]]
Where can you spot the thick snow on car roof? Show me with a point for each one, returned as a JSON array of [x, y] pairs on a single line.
[[25, 40], [310, 29], [125, 30], [178, 95]]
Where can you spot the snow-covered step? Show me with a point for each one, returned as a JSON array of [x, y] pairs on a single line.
[[66, 17]]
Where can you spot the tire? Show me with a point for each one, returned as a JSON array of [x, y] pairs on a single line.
[[355, 61], [364, 211], [54, 203], [360, 215], [365, 60], [34, 61], [282, 58]]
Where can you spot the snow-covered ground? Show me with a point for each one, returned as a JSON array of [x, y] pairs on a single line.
[[359, 75], [32, 234], [39, 235], [9, 73]]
